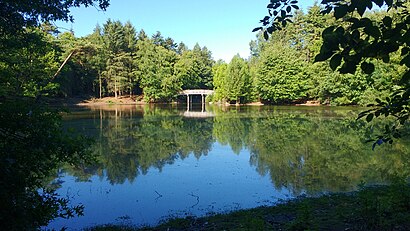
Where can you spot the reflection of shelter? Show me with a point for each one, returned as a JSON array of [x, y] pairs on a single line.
[[198, 114]]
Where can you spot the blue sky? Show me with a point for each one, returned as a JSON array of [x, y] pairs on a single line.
[[223, 26]]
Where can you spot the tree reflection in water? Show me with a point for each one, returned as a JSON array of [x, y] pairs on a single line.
[[305, 149]]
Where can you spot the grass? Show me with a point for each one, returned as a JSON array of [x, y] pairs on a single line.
[[371, 208]]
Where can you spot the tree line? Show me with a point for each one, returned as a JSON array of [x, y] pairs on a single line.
[[116, 60], [282, 69], [369, 35]]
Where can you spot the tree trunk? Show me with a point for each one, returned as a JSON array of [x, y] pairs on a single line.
[[115, 88], [100, 84], [62, 65]]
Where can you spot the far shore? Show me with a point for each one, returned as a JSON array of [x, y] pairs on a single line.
[[137, 100]]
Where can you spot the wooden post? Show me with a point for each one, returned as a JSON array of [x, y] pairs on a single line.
[[202, 102], [187, 102]]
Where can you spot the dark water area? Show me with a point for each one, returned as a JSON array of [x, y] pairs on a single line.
[[156, 162]]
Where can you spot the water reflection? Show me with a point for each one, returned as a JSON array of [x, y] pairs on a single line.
[[131, 140], [297, 149]]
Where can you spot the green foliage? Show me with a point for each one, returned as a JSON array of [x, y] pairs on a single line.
[[114, 61], [360, 39], [281, 75], [28, 61], [220, 81], [32, 142], [156, 71], [18, 15], [33, 145], [238, 81], [194, 68], [232, 81], [327, 212], [119, 46], [377, 206]]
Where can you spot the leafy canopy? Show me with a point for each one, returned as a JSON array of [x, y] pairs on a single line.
[[33, 143], [16, 15], [356, 43]]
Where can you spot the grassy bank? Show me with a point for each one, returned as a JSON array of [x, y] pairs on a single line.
[[371, 208]]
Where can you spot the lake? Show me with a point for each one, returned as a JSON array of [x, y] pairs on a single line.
[[157, 162]]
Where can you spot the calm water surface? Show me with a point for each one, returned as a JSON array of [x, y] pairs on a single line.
[[159, 162]]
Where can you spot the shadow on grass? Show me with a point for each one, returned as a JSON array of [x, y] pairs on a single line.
[[371, 208]]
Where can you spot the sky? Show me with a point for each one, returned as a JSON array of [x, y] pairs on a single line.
[[223, 26]]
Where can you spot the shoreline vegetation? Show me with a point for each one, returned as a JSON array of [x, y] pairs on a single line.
[[138, 100], [379, 207]]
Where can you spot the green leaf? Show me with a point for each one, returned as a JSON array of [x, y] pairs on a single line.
[[396, 135], [257, 29], [390, 47], [363, 22], [386, 59], [328, 30], [283, 13], [327, 10], [379, 2], [405, 79], [372, 31], [295, 7], [265, 35], [367, 68], [335, 61], [323, 56], [362, 114], [406, 61], [405, 51], [340, 31], [348, 67], [341, 11], [361, 7], [356, 35], [369, 117], [387, 21]]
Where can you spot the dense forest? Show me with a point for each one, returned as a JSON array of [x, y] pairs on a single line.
[[116, 60], [283, 69]]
